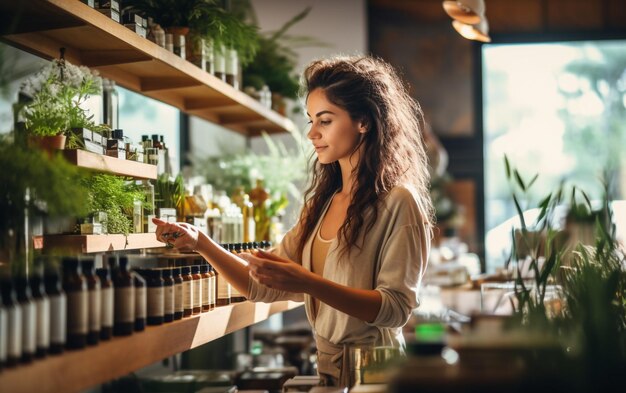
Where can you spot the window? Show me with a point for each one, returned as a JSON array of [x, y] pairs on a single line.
[[557, 110]]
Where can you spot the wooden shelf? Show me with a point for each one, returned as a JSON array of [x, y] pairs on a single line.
[[100, 243], [78, 370], [111, 165], [90, 38]]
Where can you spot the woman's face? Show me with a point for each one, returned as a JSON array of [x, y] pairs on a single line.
[[333, 133]]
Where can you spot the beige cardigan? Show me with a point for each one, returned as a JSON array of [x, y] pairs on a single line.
[[392, 261]]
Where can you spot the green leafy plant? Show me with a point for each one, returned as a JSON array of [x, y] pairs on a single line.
[[37, 184], [115, 196], [590, 320], [169, 192], [276, 59], [205, 18], [56, 94]]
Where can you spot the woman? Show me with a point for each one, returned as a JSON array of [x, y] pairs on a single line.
[[359, 250]]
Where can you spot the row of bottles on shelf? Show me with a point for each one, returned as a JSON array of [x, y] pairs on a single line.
[[53, 311], [217, 60]]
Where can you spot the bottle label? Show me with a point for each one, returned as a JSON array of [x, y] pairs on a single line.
[[106, 296], [29, 327], [43, 322], [223, 288], [77, 312], [206, 283], [141, 302], [187, 295], [178, 297], [197, 293], [14, 322], [3, 334], [95, 305], [168, 301], [58, 312], [155, 301], [212, 289], [124, 305]]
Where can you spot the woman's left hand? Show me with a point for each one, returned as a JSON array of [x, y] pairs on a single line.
[[278, 273]]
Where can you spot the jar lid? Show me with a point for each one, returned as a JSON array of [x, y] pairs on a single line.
[[204, 268], [175, 271], [185, 270], [195, 269]]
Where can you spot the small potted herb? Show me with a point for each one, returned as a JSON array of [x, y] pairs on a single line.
[[50, 102]]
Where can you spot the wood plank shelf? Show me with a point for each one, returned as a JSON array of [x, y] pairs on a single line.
[[74, 371], [90, 38], [111, 165], [100, 243]]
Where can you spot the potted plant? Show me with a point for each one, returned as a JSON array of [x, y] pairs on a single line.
[[202, 19], [50, 102]]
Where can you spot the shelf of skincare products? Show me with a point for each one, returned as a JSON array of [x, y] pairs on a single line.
[[76, 370], [86, 244], [111, 165], [94, 39]]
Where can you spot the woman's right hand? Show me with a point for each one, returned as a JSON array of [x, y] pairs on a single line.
[[179, 235]]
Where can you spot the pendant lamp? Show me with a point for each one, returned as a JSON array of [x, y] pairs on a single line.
[[469, 12]]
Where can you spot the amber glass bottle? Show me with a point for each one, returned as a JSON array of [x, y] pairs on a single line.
[[236, 296], [124, 298], [75, 288], [178, 293], [168, 295], [58, 310], [206, 287], [197, 289], [187, 291], [94, 301], [106, 300]]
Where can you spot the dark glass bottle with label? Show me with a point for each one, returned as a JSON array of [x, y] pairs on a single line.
[[106, 300], [75, 288], [206, 287], [187, 291], [141, 302], [236, 296], [94, 301], [29, 319], [178, 293], [42, 305], [212, 288], [124, 298], [156, 299], [197, 289], [58, 310], [168, 295], [14, 323]]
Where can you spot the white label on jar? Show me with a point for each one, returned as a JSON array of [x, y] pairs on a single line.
[[223, 288], [178, 297], [77, 312], [197, 293], [141, 302], [187, 294], [29, 327], [4, 335], [155, 301], [168, 301], [43, 322], [94, 310], [124, 305], [212, 294], [58, 312], [205, 291], [106, 298], [14, 322]]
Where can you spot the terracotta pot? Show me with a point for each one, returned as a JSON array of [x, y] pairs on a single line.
[[49, 144]]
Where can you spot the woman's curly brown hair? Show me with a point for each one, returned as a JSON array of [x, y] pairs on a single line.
[[392, 148]]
